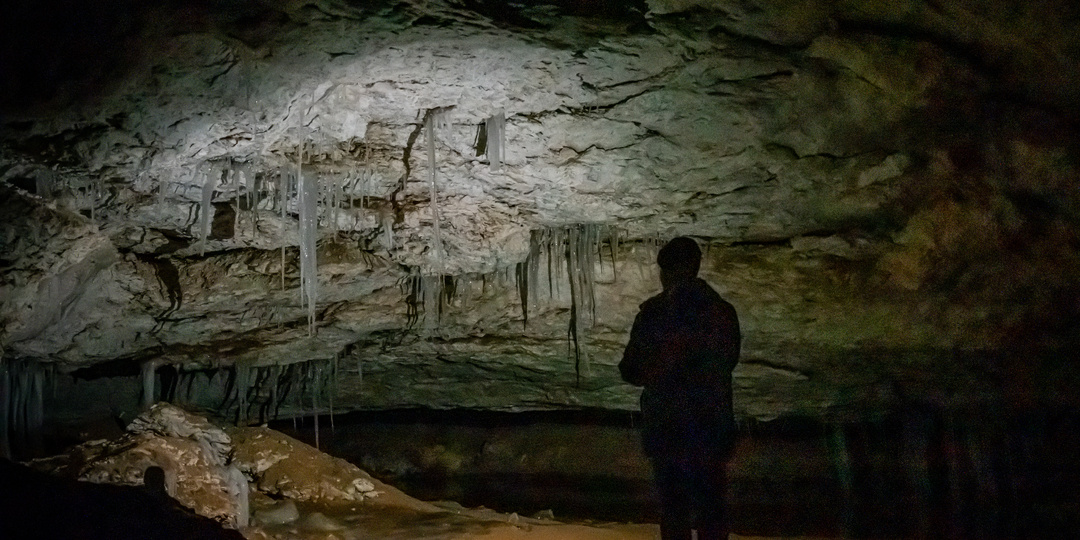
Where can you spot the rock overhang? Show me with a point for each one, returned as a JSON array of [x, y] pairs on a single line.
[[811, 159]]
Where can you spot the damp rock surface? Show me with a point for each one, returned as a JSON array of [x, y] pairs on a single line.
[[176, 441], [284, 467], [885, 192], [297, 492]]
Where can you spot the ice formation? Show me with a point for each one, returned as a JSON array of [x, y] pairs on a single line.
[[22, 400], [579, 248], [238, 491], [148, 378], [283, 191], [495, 129], [309, 221], [207, 208], [431, 288], [436, 119]]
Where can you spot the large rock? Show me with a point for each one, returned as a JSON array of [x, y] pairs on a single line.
[[194, 454], [284, 467]]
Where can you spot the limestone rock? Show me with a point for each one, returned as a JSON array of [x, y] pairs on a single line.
[[169, 420], [285, 467], [188, 448]]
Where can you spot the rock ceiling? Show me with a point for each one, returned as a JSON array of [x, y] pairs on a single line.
[[885, 190]]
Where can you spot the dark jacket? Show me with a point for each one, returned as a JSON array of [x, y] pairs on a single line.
[[683, 347]]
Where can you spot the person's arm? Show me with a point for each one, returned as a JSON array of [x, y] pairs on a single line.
[[638, 355], [657, 349], [730, 337]]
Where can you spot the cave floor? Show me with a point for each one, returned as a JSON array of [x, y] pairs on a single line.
[[398, 516], [394, 515]]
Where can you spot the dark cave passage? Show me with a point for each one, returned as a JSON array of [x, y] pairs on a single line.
[[917, 474]]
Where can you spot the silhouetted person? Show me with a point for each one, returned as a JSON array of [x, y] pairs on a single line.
[[154, 480], [682, 349]]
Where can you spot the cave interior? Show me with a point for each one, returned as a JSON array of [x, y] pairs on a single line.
[[415, 234]]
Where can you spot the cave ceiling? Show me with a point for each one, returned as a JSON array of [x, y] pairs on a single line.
[[886, 191]]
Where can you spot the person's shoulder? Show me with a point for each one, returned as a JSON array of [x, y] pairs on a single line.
[[709, 292], [703, 289], [654, 303]]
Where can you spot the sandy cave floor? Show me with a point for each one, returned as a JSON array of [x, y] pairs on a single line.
[[395, 515]]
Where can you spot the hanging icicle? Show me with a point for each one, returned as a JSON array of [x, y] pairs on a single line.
[[575, 250], [495, 138], [243, 384], [435, 118], [309, 197], [283, 189], [22, 407], [386, 223], [233, 181], [207, 208], [431, 290], [149, 374], [335, 201]]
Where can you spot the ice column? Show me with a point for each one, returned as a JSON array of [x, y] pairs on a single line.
[[209, 183], [496, 139], [434, 119], [309, 222]]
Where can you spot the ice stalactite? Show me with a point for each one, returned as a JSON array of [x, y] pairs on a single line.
[[333, 386], [431, 289], [270, 409], [495, 130], [576, 330], [283, 191], [238, 492], [207, 208], [243, 385], [349, 185], [149, 374], [411, 288], [576, 251], [22, 406], [94, 196], [232, 180], [436, 119], [386, 223], [259, 393], [365, 177], [334, 201], [250, 194], [308, 188]]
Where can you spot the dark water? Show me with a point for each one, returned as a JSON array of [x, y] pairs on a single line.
[[920, 474]]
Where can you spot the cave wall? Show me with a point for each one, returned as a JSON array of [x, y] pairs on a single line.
[[885, 191]]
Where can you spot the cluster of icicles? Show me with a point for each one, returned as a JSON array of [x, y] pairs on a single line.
[[305, 193], [284, 192], [252, 393], [22, 398], [562, 261]]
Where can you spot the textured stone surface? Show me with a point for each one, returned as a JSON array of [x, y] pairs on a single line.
[[885, 191], [190, 450], [285, 467]]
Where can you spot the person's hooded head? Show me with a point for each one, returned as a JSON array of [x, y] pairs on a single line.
[[679, 261]]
